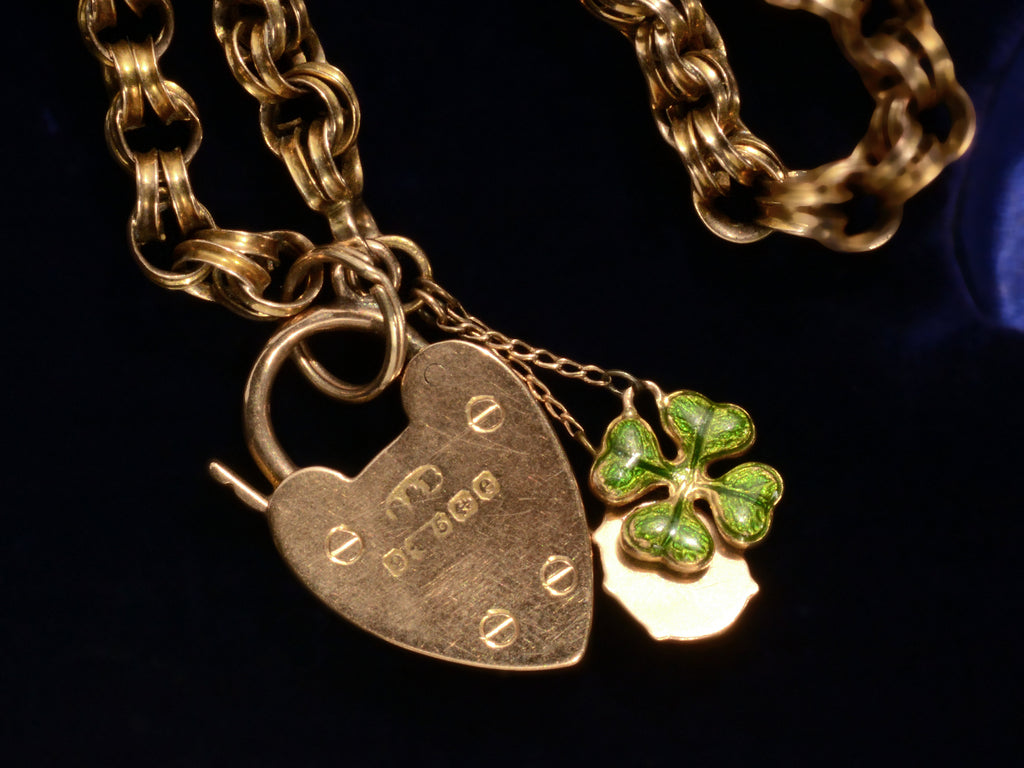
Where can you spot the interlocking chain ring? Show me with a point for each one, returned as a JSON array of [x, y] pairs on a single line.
[[259, 431], [255, 45], [96, 17], [419, 258], [381, 297], [241, 264], [904, 65]]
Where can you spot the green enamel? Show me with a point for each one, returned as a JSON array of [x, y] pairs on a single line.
[[742, 501], [630, 462], [706, 431], [630, 465], [670, 533]]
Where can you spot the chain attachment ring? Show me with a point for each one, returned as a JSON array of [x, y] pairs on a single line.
[[260, 436], [383, 296]]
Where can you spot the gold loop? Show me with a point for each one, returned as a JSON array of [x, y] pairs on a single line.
[[258, 305], [117, 123], [242, 263], [327, 82], [725, 227], [379, 264], [97, 16], [283, 35], [383, 294], [321, 155], [190, 213], [146, 223], [238, 62], [260, 435], [227, 21], [171, 279], [264, 58], [419, 258], [140, 82]]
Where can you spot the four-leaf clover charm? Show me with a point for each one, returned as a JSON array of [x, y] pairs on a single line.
[[630, 465]]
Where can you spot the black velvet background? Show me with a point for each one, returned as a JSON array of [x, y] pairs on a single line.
[[147, 619]]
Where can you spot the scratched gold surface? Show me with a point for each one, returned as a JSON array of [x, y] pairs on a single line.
[[465, 538], [671, 606]]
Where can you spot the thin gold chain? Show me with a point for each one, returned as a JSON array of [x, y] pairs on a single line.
[[448, 314], [905, 67]]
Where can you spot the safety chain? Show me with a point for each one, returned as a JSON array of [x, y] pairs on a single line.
[[448, 314], [904, 65]]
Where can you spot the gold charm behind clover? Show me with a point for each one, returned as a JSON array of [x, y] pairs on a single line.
[[465, 539]]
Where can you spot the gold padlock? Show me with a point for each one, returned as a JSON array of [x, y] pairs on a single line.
[[464, 539]]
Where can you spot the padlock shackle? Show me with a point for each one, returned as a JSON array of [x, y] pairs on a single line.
[[260, 436]]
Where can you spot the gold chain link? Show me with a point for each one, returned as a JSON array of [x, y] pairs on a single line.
[[275, 55], [231, 267], [273, 52], [904, 65]]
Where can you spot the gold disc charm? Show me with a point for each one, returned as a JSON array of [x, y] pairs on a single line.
[[673, 606]]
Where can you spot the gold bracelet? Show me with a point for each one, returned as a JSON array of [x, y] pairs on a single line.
[[465, 539]]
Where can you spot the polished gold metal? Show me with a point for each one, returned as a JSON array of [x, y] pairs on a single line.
[[273, 52], [695, 100], [232, 268], [464, 539], [672, 606], [276, 56]]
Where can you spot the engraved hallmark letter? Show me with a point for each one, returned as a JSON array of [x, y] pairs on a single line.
[[462, 506], [441, 525], [416, 547], [396, 562], [486, 486], [422, 483]]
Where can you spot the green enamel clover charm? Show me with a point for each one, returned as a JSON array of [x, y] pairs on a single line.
[[630, 465]]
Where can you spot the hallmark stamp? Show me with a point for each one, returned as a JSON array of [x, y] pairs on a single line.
[[486, 486], [421, 484], [463, 505], [441, 525], [396, 562], [425, 483]]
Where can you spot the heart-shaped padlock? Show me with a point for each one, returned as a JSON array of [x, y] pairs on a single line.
[[464, 539]]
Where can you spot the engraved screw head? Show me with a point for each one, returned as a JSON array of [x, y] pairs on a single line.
[[559, 576], [498, 628], [485, 414], [344, 546]]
